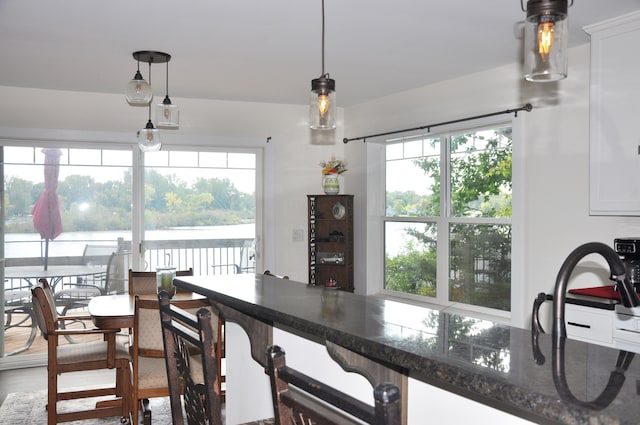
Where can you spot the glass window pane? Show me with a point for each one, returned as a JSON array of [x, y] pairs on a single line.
[[213, 159], [481, 174], [413, 149], [480, 265], [410, 257], [211, 210], [413, 184], [183, 159], [394, 151], [85, 156], [116, 158], [20, 155], [242, 160]]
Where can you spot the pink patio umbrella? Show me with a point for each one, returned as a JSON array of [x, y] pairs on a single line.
[[46, 212]]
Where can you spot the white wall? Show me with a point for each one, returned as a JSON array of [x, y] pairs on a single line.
[[555, 217]]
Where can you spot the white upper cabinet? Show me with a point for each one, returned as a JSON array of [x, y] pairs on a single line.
[[615, 116]]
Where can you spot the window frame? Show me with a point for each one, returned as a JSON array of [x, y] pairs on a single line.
[[376, 204]]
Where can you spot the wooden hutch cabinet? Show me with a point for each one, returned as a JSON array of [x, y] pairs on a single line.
[[331, 241]]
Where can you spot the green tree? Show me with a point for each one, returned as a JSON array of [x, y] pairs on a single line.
[[19, 199]]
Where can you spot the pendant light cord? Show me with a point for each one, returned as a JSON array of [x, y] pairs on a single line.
[[152, 93], [167, 82], [322, 39]]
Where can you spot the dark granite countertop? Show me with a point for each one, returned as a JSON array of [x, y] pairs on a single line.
[[478, 359]]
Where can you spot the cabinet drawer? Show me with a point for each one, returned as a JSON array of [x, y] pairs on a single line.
[[589, 324]]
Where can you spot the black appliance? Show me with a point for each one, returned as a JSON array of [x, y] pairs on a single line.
[[629, 251]]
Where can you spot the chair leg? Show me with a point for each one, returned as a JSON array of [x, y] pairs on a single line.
[[124, 386], [52, 396], [146, 412], [135, 409]]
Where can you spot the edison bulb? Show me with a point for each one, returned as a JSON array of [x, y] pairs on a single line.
[[545, 39], [323, 104]]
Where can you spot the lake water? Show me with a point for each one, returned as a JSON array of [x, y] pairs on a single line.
[[20, 245]]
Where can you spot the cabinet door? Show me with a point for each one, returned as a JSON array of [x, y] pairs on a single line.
[[614, 154]]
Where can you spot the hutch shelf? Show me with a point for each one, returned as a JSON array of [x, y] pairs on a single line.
[[331, 241]]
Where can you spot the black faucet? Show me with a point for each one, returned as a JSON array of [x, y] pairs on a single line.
[[628, 295]]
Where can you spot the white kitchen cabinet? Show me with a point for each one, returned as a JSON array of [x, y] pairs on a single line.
[[614, 155]]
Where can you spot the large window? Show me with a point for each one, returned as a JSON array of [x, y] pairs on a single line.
[[447, 224], [67, 210]]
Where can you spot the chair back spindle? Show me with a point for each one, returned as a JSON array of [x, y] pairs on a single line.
[[184, 336], [299, 399]]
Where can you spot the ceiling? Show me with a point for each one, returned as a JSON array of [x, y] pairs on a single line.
[[266, 51]]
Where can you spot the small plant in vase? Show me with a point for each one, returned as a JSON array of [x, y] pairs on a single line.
[[331, 170]]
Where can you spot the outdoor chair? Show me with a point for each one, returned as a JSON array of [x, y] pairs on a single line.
[[63, 358], [78, 295], [299, 399], [268, 273], [224, 269], [18, 312]]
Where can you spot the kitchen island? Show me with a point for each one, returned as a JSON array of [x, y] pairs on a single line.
[[472, 360]]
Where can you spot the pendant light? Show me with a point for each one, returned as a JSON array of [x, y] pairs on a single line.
[[167, 114], [545, 40], [138, 91], [149, 139], [322, 105]]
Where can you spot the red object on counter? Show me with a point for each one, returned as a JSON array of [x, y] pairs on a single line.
[[598, 291]]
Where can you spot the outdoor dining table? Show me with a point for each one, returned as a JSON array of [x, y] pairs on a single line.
[[117, 311], [18, 298], [54, 274]]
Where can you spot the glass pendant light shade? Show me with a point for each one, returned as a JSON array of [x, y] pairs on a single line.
[[149, 139], [322, 104], [546, 40], [167, 114], [138, 91]]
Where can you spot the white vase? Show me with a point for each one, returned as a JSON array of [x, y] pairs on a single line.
[[331, 184]]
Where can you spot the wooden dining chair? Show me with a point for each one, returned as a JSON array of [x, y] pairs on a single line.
[[147, 353], [85, 356], [300, 399], [189, 340]]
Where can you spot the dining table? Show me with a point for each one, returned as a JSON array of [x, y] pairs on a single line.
[[117, 311]]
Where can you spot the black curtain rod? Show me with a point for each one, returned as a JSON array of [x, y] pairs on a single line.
[[528, 107]]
